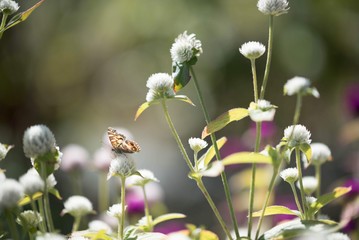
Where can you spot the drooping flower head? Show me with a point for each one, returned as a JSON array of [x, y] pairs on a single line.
[[310, 184], [185, 48], [160, 86], [197, 144], [77, 206], [320, 154], [273, 7], [297, 135], [261, 111], [289, 175], [252, 50], [146, 177], [300, 85], [8, 6]]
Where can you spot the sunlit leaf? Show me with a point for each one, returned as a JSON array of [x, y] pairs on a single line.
[[183, 98], [141, 109], [100, 235], [56, 193], [223, 120], [26, 200], [307, 150], [167, 217], [22, 16], [276, 210], [327, 198], [204, 234], [208, 156], [246, 157], [296, 228]]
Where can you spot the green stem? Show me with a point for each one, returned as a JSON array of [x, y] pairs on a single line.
[[253, 179], [47, 208], [213, 206], [3, 22], [198, 180], [300, 179], [34, 208], [103, 193], [122, 220], [75, 175], [268, 194], [147, 209], [76, 224], [218, 156], [176, 136], [296, 199], [254, 74], [298, 106], [40, 201], [12, 225], [269, 56], [318, 176]]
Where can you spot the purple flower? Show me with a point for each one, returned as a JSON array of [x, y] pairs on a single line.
[[352, 99]]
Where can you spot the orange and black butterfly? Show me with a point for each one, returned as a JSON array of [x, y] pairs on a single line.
[[120, 144]]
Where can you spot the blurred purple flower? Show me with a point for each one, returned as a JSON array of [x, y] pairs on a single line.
[[75, 157], [135, 202], [169, 227], [354, 183], [352, 99]]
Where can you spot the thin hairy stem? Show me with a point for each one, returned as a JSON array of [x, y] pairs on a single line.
[[300, 179]]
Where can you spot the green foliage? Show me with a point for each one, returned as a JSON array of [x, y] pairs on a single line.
[[246, 157], [276, 210]]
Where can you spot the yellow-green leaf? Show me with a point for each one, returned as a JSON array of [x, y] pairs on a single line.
[[166, 217], [327, 198], [246, 157], [26, 200], [98, 235], [223, 120], [183, 98], [276, 210], [307, 150], [22, 16], [142, 108], [208, 156], [56, 193]]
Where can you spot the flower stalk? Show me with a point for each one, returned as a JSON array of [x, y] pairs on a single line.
[[47, 209], [103, 193], [218, 156], [122, 219], [300, 179], [147, 209]]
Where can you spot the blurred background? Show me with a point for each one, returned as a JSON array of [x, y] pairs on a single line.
[[81, 66]]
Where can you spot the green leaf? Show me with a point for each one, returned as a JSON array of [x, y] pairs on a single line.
[[55, 192], [166, 217], [208, 156], [307, 150], [26, 200], [18, 18], [295, 228], [182, 98], [223, 120], [141, 109], [276, 210], [246, 157], [327, 198], [181, 75], [100, 235]]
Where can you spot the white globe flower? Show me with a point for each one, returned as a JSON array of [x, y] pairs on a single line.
[[197, 144], [29, 219], [11, 192], [185, 48], [146, 177], [320, 153], [116, 210], [38, 140], [9, 6], [74, 157], [297, 135], [77, 206], [310, 184], [97, 225], [32, 182], [252, 50], [310, 200], [50, 236], [273, 7], [261, 111], [121, 165], [338, 236], [160, 85], [289, 175]]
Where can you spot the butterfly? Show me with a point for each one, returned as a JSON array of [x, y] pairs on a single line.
[[120, 144]]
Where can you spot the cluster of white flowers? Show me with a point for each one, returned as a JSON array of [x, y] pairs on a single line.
[[310, 184], [252, 50], [11, 192], [8, 6], [32, 182], [121, 165], [77, 206], [297, 135], [261, 111], [160, 86], [29, 219], [197, 144], [299, 85], [289, 175], [116, 210], [273, 7], [185, 48], [146, 177]]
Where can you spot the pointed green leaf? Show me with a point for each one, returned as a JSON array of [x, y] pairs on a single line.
[[296, 228], [246, 157], [22, 16], [208, 156], [142, 108], [181, 75], [183, 98], [307, 150], [55, 192], [276, 210], [327, 198], [223, 120], [167, 217], [208, 235], [26, 200]]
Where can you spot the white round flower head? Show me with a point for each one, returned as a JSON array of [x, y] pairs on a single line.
[[310, 184], [50, 236], [77, 206], [296, 85], [32, 182], [74, 157], [310, 200], [289, 175], [214, 170], [252, 50], [116, 210], [121, 165], [297, 135], [160, 85], [38, 140], [51, 181], [146, 177], [11, 192], [97, 225], [261, 111], [102, 159], [273, 7], [185, 48], [338, 236], [320, 153], [9, 6], [29, 219], [197, 144]]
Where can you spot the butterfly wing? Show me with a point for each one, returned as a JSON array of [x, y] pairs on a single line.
[[116, 139]]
